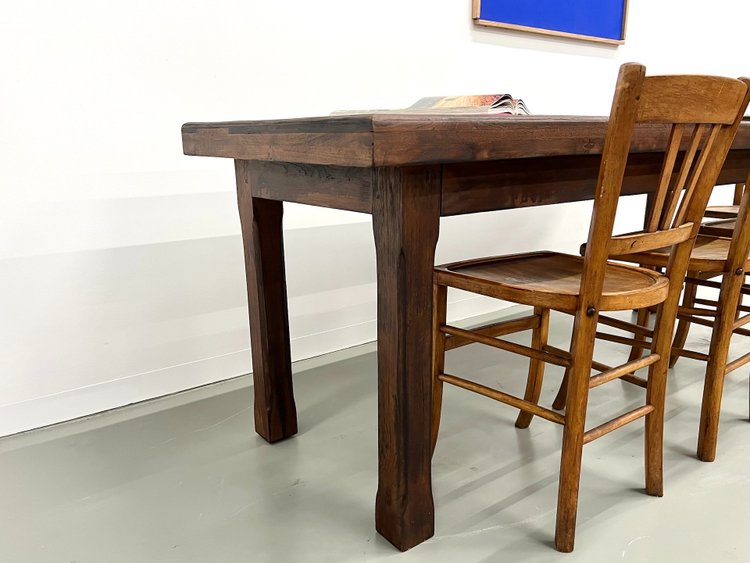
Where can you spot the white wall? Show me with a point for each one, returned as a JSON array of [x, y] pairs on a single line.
[[121, 274]]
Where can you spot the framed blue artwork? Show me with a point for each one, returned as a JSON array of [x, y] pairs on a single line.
[[593, 20]]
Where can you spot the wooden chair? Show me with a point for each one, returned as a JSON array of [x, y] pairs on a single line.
[[584, 286], [724, 227], [721, 228], [714, 255]]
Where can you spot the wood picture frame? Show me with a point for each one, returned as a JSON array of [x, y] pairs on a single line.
[[600, 21]]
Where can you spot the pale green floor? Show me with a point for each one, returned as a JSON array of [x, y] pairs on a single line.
[[186, 479]]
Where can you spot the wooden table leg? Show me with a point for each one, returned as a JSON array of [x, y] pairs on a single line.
[[275, 411], [406, 218]]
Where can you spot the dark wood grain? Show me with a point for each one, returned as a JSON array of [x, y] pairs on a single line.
[[407, 139], [275, 411], [508, 184], [338, 187], [361, 123], [354, 149], [406, 209], [387, 139]]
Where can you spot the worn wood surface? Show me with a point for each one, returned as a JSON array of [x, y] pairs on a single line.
[[645, 241], [398, 139], [275, 411], [671, 99], [535, 377], [553, 280], [332, 140], [439, 309], [337, 187], [406, 211]]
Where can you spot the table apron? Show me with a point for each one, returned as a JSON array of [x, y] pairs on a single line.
[[475, 186]]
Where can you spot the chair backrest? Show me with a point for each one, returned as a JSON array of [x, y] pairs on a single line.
[[704, 113]]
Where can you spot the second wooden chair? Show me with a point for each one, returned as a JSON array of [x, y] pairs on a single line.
[[715, 255]]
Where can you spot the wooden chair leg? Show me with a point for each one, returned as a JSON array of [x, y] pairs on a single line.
[[570, 475], [729, 299], [562, 393], [536, 367], [683, 325], [582, 349], [439, 300], [654, 438], [708, 431], [642, 320], [738, 312], [656, 389]]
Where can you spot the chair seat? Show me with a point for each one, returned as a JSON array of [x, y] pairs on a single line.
[[553, 280], [708, 256], [722, 211], [722, 228]]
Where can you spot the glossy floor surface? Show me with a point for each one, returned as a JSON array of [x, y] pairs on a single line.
[[185, 479]]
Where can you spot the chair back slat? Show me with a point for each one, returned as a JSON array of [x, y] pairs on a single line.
[[695, 174], [667, 213], [665, 179]]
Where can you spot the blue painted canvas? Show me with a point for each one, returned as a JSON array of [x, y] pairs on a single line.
[[595, 18]]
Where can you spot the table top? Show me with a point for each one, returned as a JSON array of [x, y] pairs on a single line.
[[394, 139]]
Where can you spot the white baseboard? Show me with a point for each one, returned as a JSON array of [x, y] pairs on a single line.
[[331, 346], [108, 395]]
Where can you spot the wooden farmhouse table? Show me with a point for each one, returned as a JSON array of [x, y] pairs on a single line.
[[407, 170]]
